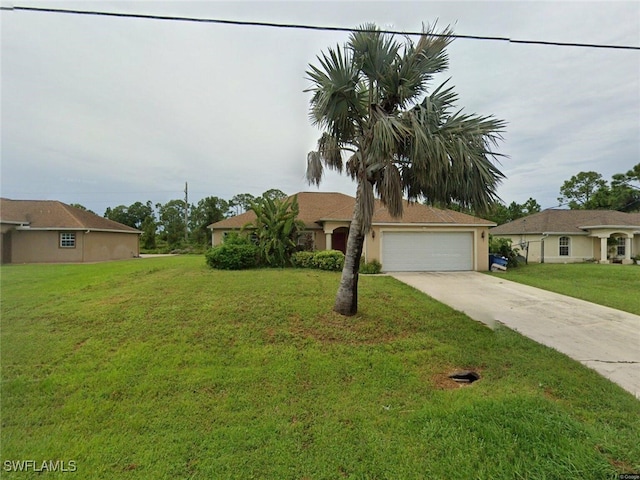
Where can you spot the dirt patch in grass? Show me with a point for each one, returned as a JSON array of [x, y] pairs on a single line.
[[441, 380], [619, 465]]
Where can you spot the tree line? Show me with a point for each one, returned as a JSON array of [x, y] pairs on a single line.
[[583, 191], [163, 225]]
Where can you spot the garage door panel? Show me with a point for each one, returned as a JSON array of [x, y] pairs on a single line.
[[427, 251]]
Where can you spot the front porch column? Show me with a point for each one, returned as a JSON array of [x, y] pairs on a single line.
[[627, 251], [603, 250], [328, 240]]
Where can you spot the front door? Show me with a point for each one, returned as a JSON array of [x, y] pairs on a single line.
[[339, 239]]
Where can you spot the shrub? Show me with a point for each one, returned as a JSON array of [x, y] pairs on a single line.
[[303, 259], [332, 260], [236, 253], [372, 267]]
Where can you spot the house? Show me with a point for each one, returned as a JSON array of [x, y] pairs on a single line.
[[47, 231], [424, 239], [563, 236]]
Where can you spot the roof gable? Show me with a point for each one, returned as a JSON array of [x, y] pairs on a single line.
[[52, 214], [319, 207], [567, 221]]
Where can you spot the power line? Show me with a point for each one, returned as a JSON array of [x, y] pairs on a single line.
[[312, 27]]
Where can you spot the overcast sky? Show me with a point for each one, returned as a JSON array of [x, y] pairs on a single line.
[[107, 111]]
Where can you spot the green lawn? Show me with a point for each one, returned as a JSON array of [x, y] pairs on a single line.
[[163, 368], [615, 286]]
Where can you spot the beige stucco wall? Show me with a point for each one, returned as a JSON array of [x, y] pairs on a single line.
[[102, 246], [581, 247], [42, 246]]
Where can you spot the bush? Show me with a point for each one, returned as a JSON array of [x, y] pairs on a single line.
[[332, 260], [372, 267], [236, 253], [303, 259]]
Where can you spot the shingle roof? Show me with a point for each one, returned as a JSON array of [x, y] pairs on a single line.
[[567, 221], [51, 214], [324, 206]]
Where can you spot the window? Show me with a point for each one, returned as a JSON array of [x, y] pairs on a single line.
[[305, 240], [564, 246], [621, 246], [67, 240]]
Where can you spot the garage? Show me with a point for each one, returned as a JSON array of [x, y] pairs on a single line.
[[427, 251]]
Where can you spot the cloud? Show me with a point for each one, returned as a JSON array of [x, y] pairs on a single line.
[[106, 111]]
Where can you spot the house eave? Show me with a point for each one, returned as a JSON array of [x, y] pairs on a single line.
[[74, 229], [601, 227], [10, 222], [432, 224], [565, 233]]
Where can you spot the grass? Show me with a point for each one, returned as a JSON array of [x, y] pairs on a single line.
[[614, 286], [163, 368]]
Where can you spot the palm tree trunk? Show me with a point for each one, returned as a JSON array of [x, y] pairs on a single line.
[[347, 296]]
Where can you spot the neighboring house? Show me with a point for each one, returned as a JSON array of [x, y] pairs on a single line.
[[47, 231], [564, 236], [424, 239]]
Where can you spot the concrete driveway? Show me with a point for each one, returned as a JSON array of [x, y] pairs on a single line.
[[602, 338]]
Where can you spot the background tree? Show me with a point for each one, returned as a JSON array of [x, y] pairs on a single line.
[[208, 210], [500, 213], [139, 212], [369, 98], [133, 215], [240, 203], [148, 237], [82, 207], [580, 191], [171, 222], [624, 193], [119, 214], [274, 194], [276, 229]]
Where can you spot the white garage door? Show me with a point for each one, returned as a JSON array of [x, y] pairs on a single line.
[[427, 251]]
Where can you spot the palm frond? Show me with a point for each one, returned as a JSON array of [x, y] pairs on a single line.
[[314, 168], [367, 205], [390, 189], [330, 152], [336, 104], [373, 52], [451, 155]]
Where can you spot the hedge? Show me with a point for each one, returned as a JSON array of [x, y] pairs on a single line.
[[332, 260]]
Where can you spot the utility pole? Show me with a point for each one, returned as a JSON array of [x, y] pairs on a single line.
[[186, 212]]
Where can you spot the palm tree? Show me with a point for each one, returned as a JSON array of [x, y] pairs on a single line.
[[370, 99]]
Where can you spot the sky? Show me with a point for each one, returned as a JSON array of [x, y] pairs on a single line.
[[105, 111]]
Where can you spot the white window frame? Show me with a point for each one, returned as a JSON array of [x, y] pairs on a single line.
[[564, 242], [622, 246], [67, 240]]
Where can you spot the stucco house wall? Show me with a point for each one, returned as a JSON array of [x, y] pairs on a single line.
[[44, 247], [588, 232], [32, 229]]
